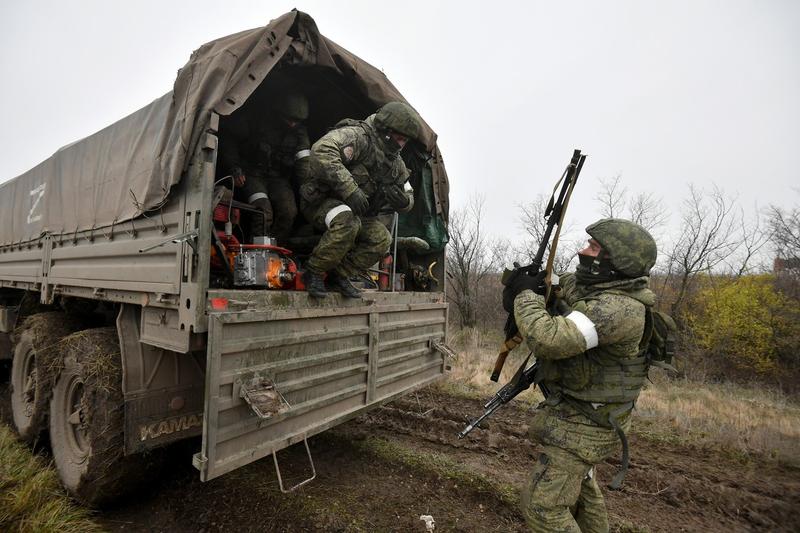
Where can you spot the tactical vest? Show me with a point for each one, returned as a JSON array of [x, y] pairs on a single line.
[[374, 168], [598, 377], [604, 387]]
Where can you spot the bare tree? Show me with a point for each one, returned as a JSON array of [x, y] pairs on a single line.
[[471, 257], [785, 231], [785, 234], [534, 224], [644, 208], [612, 196], [708, 226], [647, 211], [753, 236]]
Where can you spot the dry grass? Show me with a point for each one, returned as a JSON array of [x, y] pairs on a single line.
[[744, 419], [102, 366], [31, 497], [740, 419], [477, 352]]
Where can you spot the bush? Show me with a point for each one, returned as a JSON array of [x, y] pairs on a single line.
[[747, 324]]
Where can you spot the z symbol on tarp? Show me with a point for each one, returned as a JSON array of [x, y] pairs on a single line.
[[38, 193]]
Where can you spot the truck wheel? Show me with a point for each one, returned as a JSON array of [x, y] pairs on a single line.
[[87, 420], [36, 363], [28, 420]]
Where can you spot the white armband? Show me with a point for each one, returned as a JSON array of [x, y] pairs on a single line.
[[585, 326], [330, 215], [257, 196]]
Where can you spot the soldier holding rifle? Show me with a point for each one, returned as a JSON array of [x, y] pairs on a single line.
[[593, 335], [591, 362]]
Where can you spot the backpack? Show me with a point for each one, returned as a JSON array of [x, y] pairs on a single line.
[[658, 341]]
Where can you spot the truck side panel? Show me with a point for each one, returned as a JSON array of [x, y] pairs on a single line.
[[329, 363], [22, 265], [105, 263], [116, 263]]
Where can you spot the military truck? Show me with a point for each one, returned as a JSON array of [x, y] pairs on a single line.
[[117, 299]]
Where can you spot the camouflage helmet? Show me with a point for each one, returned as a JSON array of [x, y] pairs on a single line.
[[631, 249], [292, 105], [399, 117]]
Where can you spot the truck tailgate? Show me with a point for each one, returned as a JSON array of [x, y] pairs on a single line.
[[324, 361]]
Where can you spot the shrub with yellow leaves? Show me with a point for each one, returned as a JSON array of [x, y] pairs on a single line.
[[747, 322]]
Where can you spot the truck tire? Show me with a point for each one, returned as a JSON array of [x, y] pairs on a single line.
[[36, 363], [28, 419], [87, 421]]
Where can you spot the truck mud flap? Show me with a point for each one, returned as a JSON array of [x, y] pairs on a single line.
[[276, 376]]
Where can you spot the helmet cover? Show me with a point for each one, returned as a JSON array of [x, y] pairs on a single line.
[[399, 117], [631, 249]]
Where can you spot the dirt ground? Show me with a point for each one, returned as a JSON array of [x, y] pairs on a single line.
[[380, 472]]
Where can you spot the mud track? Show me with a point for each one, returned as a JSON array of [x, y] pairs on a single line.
[[383, 470]]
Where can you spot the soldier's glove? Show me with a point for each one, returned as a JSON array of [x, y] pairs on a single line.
[[519, 283], [396, 197], [561, 307], [358, 202], [238, 176]]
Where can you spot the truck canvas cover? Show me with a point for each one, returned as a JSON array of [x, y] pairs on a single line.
[[129, 168]]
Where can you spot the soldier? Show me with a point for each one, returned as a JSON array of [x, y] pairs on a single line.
[[593, 368], [265, 156], [356, 172]]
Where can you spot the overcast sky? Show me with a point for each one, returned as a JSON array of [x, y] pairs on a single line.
[[663, 93]]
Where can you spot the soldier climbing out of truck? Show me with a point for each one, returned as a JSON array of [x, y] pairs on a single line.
[[357, 171]]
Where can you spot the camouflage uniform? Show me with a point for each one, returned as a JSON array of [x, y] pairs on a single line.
[[351, 157], [593, 368], [274, 158]]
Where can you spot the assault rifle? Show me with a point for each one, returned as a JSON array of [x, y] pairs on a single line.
[[526, 376], [522, 381], [554, 213], [378, 204]]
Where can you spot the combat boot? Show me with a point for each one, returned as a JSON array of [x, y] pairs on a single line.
[[343, 285], [315, 286]]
